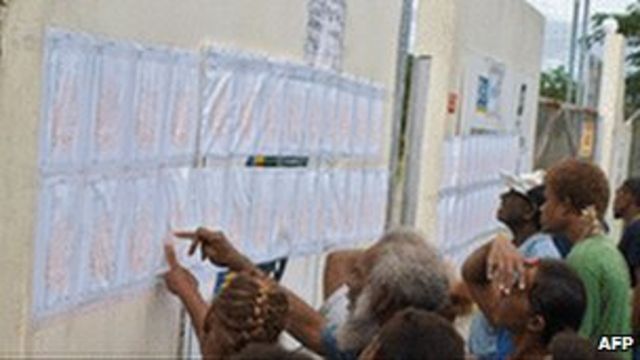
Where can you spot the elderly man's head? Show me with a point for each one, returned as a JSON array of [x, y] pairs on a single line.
[[401, 270]]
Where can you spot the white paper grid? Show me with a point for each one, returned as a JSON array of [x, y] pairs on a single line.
[[138, 105], [471, 187], [68, 67]]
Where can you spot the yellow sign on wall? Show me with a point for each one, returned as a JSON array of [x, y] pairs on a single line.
[[587, 137]]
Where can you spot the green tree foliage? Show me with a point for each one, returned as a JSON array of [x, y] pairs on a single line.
[[554, 83], [629, 22]]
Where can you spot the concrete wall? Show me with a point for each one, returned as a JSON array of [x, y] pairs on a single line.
[[452, 33], [143, 322], [436, 34]]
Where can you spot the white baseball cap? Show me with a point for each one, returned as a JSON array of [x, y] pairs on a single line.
[[524, 182]]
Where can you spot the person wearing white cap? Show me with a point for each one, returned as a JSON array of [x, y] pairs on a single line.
[[519, 211]]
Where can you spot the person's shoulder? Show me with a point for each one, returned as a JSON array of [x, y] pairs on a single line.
[[590, 251], [633, 230], [540, 245]]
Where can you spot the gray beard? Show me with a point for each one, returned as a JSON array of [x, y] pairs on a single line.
[[360, 327]]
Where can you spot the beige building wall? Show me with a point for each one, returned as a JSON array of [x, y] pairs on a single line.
[[452, 32], [140, 322]]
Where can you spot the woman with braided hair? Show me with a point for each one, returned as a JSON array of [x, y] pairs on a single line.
[[250, 309]]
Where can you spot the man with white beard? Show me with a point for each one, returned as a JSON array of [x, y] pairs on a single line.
[[400, 270]]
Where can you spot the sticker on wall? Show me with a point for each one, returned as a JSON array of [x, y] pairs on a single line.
[[326, 24], [66, 104]]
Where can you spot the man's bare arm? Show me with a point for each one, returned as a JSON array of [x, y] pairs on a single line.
[[474, 274], [184, 285], [336, 270]]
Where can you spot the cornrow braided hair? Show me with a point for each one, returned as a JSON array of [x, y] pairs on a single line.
[[250, 309]]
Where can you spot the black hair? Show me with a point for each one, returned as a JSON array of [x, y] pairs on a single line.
[[537, 199], [632, 185], [268, 351], [559, 296], [420, 335]]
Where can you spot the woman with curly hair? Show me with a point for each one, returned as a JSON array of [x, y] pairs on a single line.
[[250, 310]]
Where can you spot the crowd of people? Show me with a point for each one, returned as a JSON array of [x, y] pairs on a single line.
[[551, 287]]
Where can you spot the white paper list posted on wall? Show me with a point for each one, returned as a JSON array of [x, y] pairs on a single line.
[[330, 120], [247, 101], [235, 221], [342, 132], [183, 208], [68, 67], [262, 213], [102, 233], [360, 125], [56, 267], [305, 215], [150, 100], [181, 130], [268, 115], [294, 117], [112, 111], [142, 228], [217, 112], [286, 192]]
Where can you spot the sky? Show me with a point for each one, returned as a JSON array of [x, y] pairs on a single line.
[[558, 14]]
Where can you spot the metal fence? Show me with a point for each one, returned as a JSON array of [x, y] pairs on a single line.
[[562, 131]]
